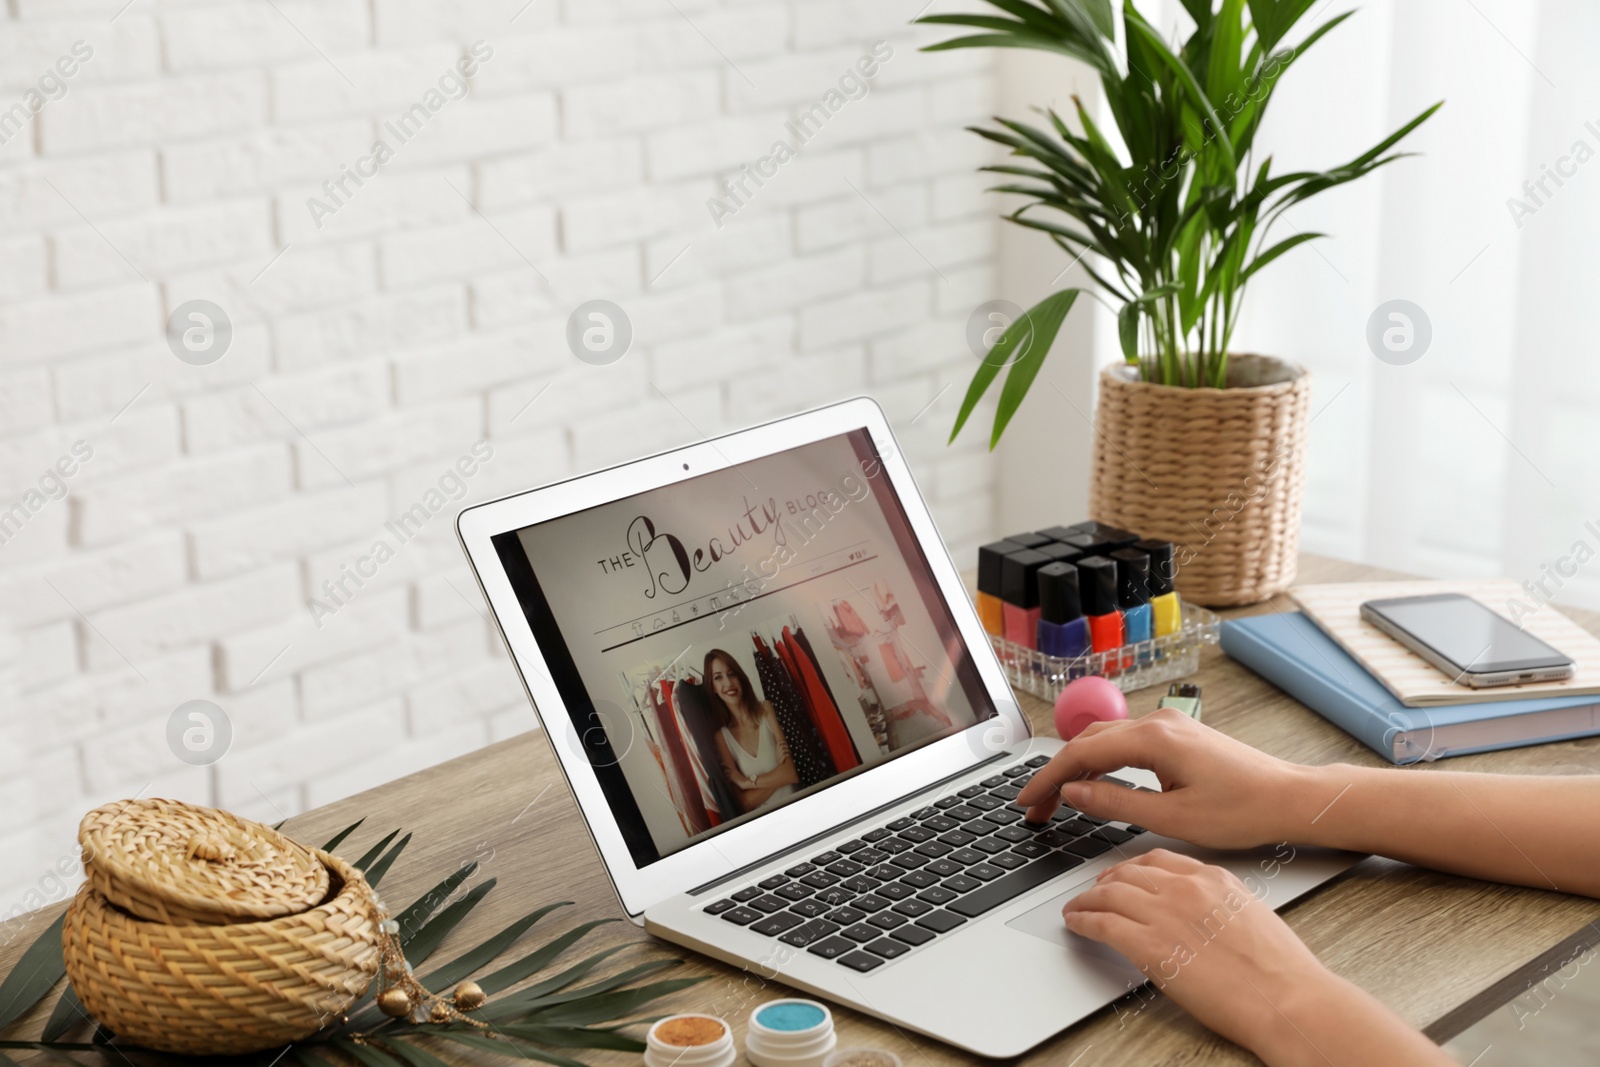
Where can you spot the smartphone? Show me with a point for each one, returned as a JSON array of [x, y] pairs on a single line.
[[1467, 641]]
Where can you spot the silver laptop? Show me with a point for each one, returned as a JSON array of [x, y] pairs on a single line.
[[791, 741]]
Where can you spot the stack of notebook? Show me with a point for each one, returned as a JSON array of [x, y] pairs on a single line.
[[1395, 703]]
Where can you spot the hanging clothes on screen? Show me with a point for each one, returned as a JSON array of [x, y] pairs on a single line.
[[680, 730], [883, 599], [812, 763], [824, 712], [866, 633], [805, 643], [683, 782], [847, 621], [694, 716]]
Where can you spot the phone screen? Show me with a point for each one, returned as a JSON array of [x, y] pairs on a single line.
[[1466, 633]]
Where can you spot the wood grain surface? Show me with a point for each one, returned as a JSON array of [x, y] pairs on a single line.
[[1441, 950]]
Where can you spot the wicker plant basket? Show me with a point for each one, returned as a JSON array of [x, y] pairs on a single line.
[[1218, 472], [202, 933]]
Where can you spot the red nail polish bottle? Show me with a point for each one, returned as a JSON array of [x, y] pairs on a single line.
[[1097, 580]]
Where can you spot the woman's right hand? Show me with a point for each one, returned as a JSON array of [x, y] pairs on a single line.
[[1216, 791], [1222, 954]]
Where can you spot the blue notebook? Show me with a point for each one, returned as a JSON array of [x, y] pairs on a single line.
[[1289, 651]]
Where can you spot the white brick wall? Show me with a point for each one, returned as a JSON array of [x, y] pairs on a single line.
[[424, 314]]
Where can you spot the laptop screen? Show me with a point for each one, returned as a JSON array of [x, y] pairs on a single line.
[[738, 640]]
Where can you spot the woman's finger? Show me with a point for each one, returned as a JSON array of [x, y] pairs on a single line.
[[1118, 931], [1136, 902], [1165, 859], [1121, 745]]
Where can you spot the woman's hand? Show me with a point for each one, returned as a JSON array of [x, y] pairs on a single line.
[[1201, 937], [1204, 939], [1216, 791]]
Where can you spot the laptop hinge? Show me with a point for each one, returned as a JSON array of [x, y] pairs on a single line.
[[814, 838]]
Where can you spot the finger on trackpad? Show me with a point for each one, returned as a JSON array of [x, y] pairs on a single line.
[[1045, 922]]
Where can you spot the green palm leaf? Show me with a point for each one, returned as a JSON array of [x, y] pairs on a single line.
[[610, 1005], [1163, 216], [423, 943], [67, 1014], [381, 865], [413, 918], [538, 959], [490, 950], [544, 994], [35, 974], [372, 854], [337, 839], [1044, 322]]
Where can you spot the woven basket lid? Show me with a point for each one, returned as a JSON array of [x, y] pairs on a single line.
[[167, 861]]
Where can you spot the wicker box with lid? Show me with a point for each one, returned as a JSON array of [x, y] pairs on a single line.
[[199, 932]]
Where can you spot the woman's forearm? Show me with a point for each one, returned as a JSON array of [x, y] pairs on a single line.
[[1321, 1019], [1533, 831], [781, 775]]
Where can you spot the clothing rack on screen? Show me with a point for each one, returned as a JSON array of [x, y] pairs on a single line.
[[793, 683], [678, 721], [886, 665]]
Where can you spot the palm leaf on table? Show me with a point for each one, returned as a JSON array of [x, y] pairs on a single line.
[[533, 1022]]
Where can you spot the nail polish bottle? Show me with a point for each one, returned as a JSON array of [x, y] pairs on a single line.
[[1165, 611], [990, 610], [1133, 596], [1061, 553], [1082, 542], [1102, 539], [1019, 591], [1059, 533], [1028, 540], [1097, 588], [1063, 631], [1104, 532]]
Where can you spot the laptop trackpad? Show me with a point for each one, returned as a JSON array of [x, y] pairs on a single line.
[[1044, 922]]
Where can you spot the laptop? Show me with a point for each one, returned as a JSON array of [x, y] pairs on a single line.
[[791, 741]]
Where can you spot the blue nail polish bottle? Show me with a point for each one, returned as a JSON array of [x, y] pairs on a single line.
[[1133, 594], [1063, 631]]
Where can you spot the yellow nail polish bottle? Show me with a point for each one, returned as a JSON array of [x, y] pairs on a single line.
[[1166, 611]]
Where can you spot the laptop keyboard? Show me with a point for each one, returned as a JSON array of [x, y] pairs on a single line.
[[899, 886]]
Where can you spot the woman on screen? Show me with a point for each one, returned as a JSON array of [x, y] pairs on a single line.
[[750, 744]]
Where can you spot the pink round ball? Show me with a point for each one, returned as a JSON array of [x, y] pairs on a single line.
[[1088, 700]]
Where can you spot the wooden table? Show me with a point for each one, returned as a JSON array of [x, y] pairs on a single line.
[[1441, 950]]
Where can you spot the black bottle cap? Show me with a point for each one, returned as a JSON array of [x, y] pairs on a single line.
[[1058, 533], [1108, 538], [1133, 577], [989, 557], [1058, 593], [1061, 553], [1097, 585], [1019, 583], [1027, 540], [1163, 569]]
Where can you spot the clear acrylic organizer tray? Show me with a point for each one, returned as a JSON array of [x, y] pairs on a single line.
[[1135, 666]]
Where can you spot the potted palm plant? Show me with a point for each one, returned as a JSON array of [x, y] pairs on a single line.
[[1170, 217]]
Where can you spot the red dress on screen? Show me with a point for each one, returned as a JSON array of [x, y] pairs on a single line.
[[823, 710]]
